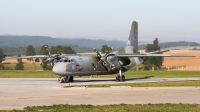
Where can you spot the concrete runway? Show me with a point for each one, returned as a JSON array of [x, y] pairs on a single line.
[[17, 93]]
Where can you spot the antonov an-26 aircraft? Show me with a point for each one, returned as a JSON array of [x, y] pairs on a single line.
[[69, 65]]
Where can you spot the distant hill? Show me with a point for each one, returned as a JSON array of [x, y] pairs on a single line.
[[13, 45], [9, 40]]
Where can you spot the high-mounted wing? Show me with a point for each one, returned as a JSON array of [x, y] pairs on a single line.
[[50, 58], [35, 56], [152, 55]]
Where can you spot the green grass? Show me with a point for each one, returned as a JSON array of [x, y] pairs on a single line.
[[35, 71], [157, 73], [130, 73], [26, 74], [163, 73], [150, 84], [168, 107], [26, 66]]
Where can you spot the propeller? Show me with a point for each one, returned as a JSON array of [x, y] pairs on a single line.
[[52, 58], [103, 59]]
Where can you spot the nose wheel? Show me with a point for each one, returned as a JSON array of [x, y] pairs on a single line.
[[120, 77], [66, 79]]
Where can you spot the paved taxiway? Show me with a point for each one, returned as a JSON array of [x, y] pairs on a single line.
[[17, 93]]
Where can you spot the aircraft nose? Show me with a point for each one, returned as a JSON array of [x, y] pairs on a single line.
[[58, 69], [55, 69]]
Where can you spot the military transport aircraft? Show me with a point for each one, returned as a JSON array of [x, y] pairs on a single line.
[[69, 65]]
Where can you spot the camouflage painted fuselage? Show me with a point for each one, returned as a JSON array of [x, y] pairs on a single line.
[[85, 65]]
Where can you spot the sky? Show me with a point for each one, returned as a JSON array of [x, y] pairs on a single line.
[[167, 20]]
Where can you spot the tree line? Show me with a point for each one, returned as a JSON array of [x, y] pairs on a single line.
[[14, 51], [150, 62], [2, 56], [44, 50]]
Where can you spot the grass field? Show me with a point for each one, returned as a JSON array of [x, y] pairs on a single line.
[[149, 84], [26, 66], [114, 108], [130, 73], [26, 74]]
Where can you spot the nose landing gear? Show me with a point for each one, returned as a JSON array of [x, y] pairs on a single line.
[[66, 79], [120, 77]]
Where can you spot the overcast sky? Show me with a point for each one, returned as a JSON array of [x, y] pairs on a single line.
[[168, 20]]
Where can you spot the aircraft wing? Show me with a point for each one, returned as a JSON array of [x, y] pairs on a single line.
[[35, 56], [152, 55]]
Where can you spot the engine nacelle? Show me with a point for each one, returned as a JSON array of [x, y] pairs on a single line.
[[118, 62], [125, 61]]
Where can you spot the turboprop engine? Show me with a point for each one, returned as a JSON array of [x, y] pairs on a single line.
[[111, 60]]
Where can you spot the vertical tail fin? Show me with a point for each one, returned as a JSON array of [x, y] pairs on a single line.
[[132, 44]]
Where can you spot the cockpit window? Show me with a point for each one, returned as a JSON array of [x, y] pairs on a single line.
[[68, 60], [111, 54]]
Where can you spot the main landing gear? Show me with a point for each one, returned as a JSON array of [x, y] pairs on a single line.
[[66, 79], [120, 77]]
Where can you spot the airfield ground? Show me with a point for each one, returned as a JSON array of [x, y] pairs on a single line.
[[17, 93]]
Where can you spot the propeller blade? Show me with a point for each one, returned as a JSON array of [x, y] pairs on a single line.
[[108, 64], [99, 62], [98, 54]]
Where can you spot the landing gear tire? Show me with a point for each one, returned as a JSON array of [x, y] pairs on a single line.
[[66, 79], [117, 77], [120, 78], [71, 79]]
